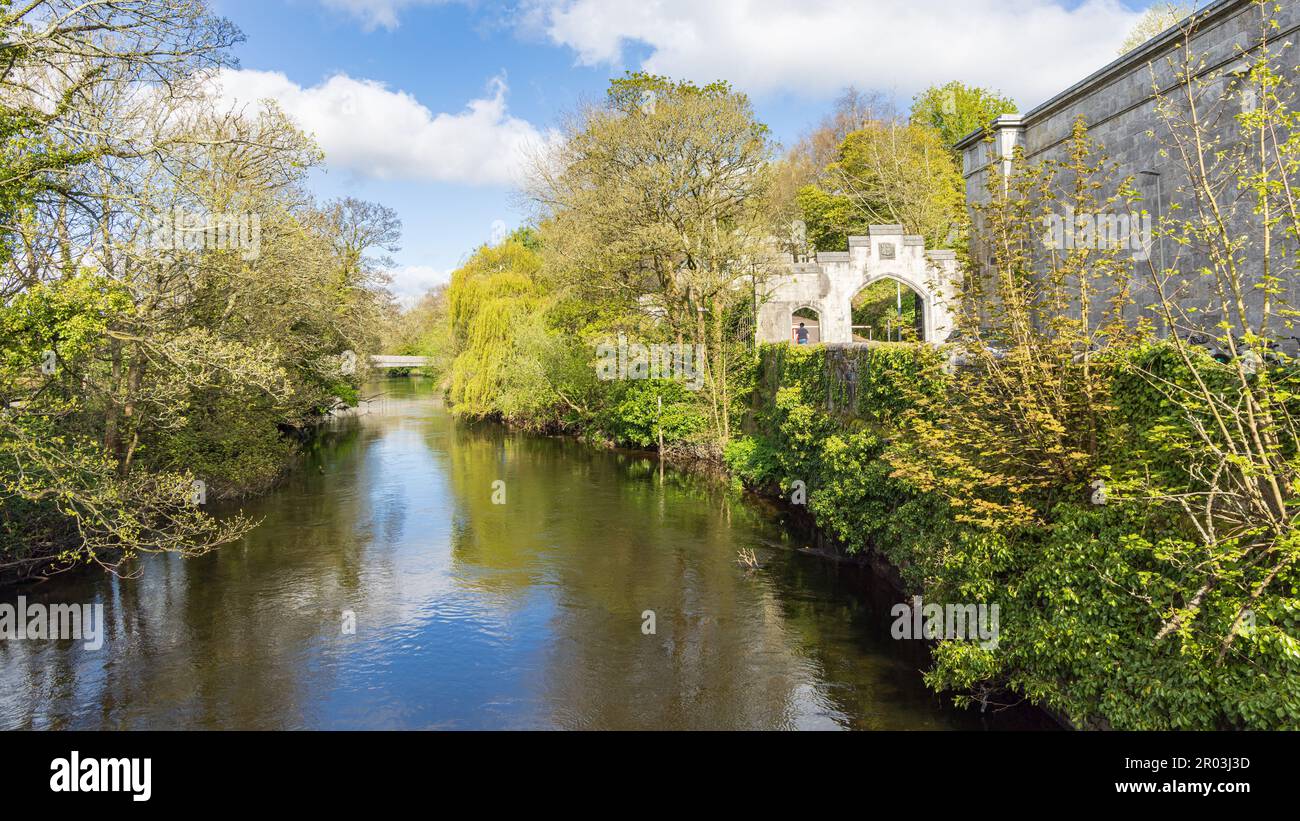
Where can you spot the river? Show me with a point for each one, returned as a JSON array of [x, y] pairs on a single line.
[[387, 588]]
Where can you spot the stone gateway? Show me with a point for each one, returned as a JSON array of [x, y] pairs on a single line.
[[828, 285]]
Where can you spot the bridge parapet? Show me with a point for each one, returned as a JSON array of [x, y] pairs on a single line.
[[394, 361]]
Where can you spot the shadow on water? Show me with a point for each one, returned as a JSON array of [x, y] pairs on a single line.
[[469, 613]]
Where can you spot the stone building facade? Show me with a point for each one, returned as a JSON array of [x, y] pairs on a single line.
[[1119, 106]]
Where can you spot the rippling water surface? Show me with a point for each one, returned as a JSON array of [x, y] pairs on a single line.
[[471, 614]]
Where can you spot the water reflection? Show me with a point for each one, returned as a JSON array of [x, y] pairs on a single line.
[[471, 614]]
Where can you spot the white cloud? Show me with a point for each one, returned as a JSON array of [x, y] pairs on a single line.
[[1030, 49], [413, 281], [367, 128], [375, 14]]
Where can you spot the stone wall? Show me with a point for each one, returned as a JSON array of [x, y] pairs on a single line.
[[1118, 104]]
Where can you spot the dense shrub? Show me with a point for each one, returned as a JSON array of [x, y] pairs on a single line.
[[1082, 596]]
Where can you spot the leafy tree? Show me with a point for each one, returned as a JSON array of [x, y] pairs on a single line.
[[489, 298], [955, 109], [888, 173], [653, 206], [134, 365], [421, 330], [1155, 20], [1021, 427]]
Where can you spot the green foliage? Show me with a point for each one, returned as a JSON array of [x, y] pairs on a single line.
[[490, 297], [67, 316], [955, 109], [528, 358], [887, 173], [132, 368], [633, 416], [1082, 597], [639, 92], [231, 439], [877, 307], [830, 219]]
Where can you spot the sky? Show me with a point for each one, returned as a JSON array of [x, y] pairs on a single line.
[[432, 107]]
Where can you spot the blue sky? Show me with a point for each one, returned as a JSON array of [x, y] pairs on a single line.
[[429, 106]]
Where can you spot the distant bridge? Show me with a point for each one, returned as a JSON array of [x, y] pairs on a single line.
[[390, 361]]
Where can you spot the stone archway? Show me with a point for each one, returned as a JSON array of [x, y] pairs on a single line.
[[829, 284], [810, 319], [887, 308]]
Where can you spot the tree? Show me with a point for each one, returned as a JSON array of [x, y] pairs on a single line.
[[852, 110], [77, 96], [654, 206], [171, 294], [1238, 446], [802, 166], [359, 230], [1020, 425], [888, 173], [423, 329], [955, 109], [491, 297], [1133, 497], [1154, 21]]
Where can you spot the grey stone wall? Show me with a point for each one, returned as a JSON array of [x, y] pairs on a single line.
[[1118, 104]]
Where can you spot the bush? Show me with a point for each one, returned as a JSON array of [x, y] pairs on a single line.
[[632, 416], [1083, 593]]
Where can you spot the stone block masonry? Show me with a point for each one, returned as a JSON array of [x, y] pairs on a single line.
[[1118, 103]]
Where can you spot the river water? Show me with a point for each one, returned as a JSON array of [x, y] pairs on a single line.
[[386, 588]]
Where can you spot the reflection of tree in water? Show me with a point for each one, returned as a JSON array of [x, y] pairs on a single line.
[[506, 539], [220, 641], [229, 652], [609, 539]]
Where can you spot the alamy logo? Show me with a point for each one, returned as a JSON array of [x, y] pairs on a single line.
[[651, 361], [78, 622], [77, 774], [1083, 231], [181, 230], [956, 622]]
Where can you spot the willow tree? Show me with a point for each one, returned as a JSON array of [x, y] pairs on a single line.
[[490, 297], [653, 204]]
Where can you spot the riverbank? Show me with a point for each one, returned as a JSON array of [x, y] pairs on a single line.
[[736, 467], [246, 469], [1070, 569]]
